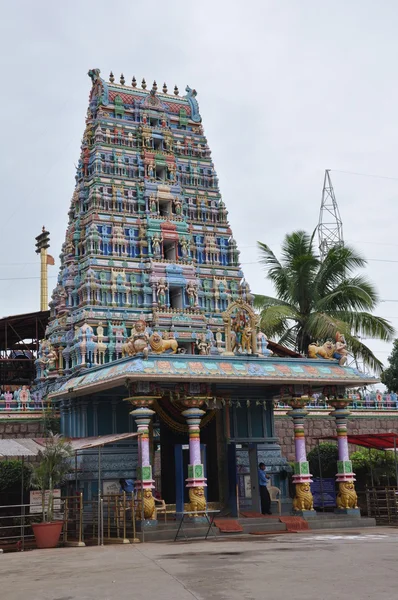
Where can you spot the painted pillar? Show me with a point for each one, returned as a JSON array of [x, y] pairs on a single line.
[[63, 413], [196, 481], [347, 497], [302, 478], [144, 482]]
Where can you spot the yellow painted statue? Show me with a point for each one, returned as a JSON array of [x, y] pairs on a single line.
[[159, 345], [149, 505], [303, 499], [324, 351], [197, 500], [347, 496]]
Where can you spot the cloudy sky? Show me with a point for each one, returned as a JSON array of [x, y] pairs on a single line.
[[286, 88]]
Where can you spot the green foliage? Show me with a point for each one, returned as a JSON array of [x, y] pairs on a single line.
[[11, 472], [390, 375], [327, 455], [51, 422], [381, 463], [316, 299], [54, 464]]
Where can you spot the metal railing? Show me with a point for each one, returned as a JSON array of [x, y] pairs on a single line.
[[382, 504], [107, 519]]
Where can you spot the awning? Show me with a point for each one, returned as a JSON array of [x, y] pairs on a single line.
[[102, 440], [13, 448], [378, 441]]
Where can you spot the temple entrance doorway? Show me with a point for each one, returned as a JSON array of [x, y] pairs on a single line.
[[167, 468], [243, 477]]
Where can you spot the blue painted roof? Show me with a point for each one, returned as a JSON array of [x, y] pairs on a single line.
[[215, 369]]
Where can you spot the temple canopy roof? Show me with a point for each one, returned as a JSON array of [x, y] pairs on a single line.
[[213, 369]]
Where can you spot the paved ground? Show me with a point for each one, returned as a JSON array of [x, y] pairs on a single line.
[[319, 565]]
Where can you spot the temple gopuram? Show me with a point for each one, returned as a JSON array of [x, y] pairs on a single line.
[[152, 327]]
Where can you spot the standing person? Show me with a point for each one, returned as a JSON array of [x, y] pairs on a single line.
[[264, 493]]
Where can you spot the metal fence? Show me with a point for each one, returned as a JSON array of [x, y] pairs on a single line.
[[106, 519], [382, 504]]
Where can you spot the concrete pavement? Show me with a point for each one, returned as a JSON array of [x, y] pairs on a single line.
[[308, 566]]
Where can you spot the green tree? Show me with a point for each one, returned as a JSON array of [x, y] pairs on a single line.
[[377, 462], [53, 467], [390, 375], [11, 474], [327, 455], [315, 299]]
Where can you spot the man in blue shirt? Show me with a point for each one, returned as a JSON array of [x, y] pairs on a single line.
[[264, 493]]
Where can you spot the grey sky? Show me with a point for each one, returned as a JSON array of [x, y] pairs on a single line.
[[286, 88]]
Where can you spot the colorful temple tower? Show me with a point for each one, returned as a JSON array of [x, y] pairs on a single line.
[[148, 236], [151, 311]]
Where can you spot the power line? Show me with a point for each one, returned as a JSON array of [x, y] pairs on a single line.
[[365, 174], [19, 278]]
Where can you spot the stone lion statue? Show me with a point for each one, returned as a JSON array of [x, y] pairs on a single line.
[[347, 496], [197, 500], [303, 499], [159, 345], [324, 351], [137, 342], [149, 506]]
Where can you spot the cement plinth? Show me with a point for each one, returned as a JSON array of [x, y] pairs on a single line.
[[306, 514], [353, 512], [146, 524]]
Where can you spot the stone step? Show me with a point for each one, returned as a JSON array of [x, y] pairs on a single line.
[[341, 523]]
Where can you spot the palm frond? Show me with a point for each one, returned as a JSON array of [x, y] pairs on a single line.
[[262, 302], [367, 325], [356, 293], [275, 272]]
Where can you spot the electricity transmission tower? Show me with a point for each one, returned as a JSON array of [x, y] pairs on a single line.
[[330, 233], [330, 226]]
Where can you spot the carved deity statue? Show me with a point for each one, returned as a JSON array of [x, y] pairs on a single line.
[[184, 247], [341, 349], [202, 344], [192, 293], [262, 344], [162, 288], [156, 244], [138, 341]]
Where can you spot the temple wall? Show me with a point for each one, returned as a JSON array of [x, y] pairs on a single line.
[[20, 429], [318, 426]]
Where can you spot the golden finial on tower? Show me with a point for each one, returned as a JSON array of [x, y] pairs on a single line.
[[176, 92], [111, 77], [134, 82], [143, 84], [155, 86], [122, 79], [164, 88]]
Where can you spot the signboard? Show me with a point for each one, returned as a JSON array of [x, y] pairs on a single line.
[[36, 501], [324, 492], [248, 486], [111, 486]]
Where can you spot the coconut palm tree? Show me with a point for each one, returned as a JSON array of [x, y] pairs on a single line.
[[316, 299]]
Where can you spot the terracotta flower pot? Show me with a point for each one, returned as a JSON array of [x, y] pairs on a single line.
[[47, 534]]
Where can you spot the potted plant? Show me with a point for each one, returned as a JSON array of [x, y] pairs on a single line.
[[53, 466]]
